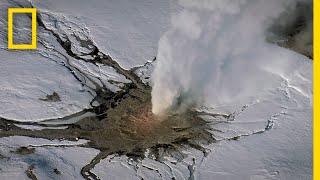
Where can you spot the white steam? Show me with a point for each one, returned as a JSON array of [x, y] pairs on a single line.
[[216, 53]]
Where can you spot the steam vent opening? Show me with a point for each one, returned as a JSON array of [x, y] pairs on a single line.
[[132, 128]]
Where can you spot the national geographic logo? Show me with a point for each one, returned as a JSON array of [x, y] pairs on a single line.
[[33, 12]]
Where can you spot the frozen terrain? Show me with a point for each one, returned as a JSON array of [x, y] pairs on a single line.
[[43, 158], [90, 53], [123, 29]]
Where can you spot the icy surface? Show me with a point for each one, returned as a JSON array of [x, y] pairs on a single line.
[[18, 141], [113, 167], [283, 152], [144, 72], [127, 31], [34, 127], [27, 77], [46, 158], [103, 73]]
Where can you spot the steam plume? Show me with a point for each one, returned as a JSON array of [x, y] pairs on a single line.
[[216, 53]]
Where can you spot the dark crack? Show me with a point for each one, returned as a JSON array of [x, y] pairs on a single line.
[[30, 174]]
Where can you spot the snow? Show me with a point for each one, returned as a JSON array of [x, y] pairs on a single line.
[[67, 160], [71, 120], [18, 141], [144, 72], [34, 127], [128, 32], [113, 167], [29, 76], [102, 74], [35, 77], [285, 152]]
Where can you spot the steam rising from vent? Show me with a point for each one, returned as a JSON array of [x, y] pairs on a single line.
[[216, 53]]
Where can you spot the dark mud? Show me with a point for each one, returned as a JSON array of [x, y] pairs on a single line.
[[129, 128], [30, 174], [54, 97], [24, 151]]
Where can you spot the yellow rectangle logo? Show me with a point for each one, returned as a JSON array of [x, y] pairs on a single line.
[[33, 44]]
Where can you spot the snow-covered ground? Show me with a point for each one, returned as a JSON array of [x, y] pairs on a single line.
[[128, 31], [67, 159], [27, 77], [271, 138]]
